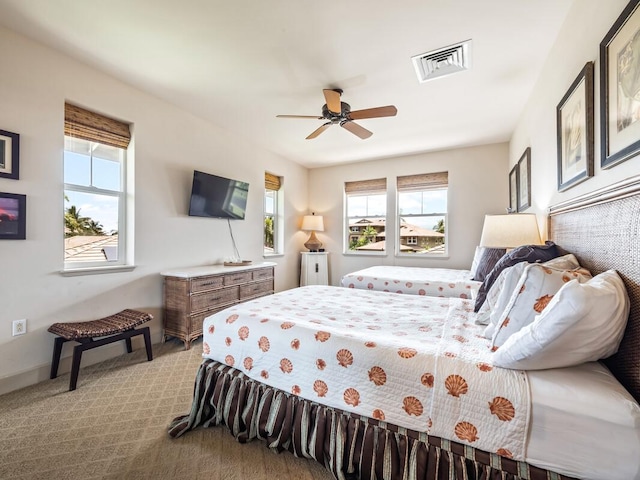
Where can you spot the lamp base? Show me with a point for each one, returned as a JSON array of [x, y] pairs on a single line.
[[313, 244]]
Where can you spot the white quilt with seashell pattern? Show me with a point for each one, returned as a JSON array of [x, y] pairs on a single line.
[[416, 362]]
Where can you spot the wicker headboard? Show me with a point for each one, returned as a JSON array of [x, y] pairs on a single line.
[[602, 229]]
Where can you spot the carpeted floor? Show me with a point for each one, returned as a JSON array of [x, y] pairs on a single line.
[[114, 426]]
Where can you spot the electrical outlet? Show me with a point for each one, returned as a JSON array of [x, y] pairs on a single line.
[[19, 327]]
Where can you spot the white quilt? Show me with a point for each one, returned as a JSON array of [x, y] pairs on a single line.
[[417, 362], [432, 282]]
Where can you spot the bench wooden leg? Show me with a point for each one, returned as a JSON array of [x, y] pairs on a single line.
[[57, 351], [147, 342]]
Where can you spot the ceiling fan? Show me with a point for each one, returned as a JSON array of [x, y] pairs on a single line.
[[340, 113]]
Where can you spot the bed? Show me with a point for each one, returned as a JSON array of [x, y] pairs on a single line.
[[582, 421], [435, 282]]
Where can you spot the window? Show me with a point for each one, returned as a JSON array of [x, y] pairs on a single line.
[[422, 214], [95, 154], [366, 211], [273, 225]]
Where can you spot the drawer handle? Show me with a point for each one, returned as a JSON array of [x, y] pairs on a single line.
[[215, 299], [206, 284]]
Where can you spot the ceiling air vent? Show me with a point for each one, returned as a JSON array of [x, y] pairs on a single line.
[[442, 62]]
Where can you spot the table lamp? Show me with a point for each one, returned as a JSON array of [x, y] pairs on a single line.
[[510, 231], [313, 223]]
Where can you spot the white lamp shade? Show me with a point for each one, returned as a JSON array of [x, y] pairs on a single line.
[[312, 223], [510, 231]]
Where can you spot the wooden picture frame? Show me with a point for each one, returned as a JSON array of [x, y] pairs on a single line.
[[620, 88], [574, 122], [9, 155], [513, 189], [13, 216], [524, 180]]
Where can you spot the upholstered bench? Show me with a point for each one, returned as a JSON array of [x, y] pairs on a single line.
[[120, 326]]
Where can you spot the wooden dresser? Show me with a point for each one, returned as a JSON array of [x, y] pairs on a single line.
[[191, 294]]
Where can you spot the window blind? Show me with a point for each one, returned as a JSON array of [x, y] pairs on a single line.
[[378, 185], [272, 182], [94, 127], [424, 181]]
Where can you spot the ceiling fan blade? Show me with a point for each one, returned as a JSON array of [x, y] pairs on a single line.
[[319, 130], [388, 111], [356, 129], [332, 98], [300, 116]]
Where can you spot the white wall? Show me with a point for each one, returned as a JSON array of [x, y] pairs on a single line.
[[579, 42], [478, 185], [35, 82]]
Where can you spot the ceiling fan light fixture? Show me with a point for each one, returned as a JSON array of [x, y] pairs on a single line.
[[443, 61]]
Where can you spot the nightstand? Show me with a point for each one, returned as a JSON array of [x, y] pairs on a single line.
[[314, 269]]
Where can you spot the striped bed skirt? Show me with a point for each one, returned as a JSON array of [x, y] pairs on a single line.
[[349, 446]]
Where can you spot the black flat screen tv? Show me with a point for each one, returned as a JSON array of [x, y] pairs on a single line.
[[217, 197]]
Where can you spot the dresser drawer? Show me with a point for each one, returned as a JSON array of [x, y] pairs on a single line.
[[214, 298], [256, 289], [237, 278], [262, 274], [206, 283]]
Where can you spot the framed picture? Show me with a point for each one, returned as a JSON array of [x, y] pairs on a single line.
[[13, 216], [9, 154], [575, 131], [620, 88], [524, 180], [513, 189]]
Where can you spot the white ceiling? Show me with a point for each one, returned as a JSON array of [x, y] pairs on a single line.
[[239, 63]]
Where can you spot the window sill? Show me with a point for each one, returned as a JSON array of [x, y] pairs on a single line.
[[73, 272], [272, 255], [365, 254], [430, 256]]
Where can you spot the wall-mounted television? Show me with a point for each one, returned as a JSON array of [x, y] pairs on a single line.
[[217, 197]]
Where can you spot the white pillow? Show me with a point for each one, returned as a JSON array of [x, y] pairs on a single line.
[[476, 261], [584, 322], [566, 262], [505, 282], [534, 290]]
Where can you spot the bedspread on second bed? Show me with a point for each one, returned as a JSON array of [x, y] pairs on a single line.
[[433, 282], [417, 362]]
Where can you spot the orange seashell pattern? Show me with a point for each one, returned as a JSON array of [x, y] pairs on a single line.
[[542, 302], [502, 408], [229, 360], [378, 376], [406, 352], [370, 344], [320, 388], [296, 390], [264, 374], [248, 363], [263, 344], [466, 431], [456, 385], [287, 325], [344, 357], [322, 336], [286, 366], [211, 329], [427, 379], [378, 414], [295, 344], [412, 406], [227, 341], [484, 367], [206, 349], [232, 318], [321, 364], [351, 397], [243, 333], [503, 452]]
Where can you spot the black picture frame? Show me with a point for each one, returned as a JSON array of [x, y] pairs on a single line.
[[9, 155], [574, 123], [513, 189], [13, 216], [524, 180], [619, 111]]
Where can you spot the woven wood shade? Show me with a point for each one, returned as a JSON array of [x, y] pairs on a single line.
[[81, 123], [271, 181], [424, 181], [378, 185]]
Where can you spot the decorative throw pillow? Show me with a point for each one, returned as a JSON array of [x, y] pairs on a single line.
[[487, 260], [534, 290], [584, 322], [565, 262], [502, 287], [525, 253]]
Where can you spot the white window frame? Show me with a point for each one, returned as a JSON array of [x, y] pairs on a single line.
[[363, 189], [121, 195], [407, 219], [278, 220]]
